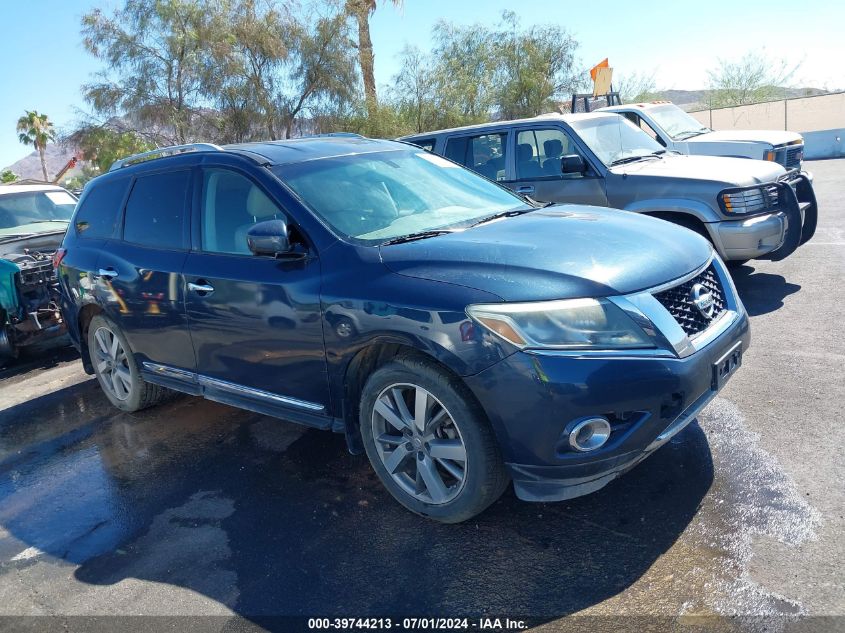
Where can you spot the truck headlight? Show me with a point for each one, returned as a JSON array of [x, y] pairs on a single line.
[[750, 200], [562, 324]]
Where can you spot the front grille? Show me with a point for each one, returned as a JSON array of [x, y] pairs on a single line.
[[794, 156], [680, 304]]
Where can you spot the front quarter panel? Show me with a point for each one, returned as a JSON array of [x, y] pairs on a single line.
[[365, 304], [646, 194]]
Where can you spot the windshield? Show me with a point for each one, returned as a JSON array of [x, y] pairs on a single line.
[[29, 212], [385, 195], [677, 123], [614, 139]]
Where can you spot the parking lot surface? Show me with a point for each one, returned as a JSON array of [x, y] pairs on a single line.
[[196, 508]]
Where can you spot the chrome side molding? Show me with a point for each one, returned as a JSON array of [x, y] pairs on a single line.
[[230, 387]]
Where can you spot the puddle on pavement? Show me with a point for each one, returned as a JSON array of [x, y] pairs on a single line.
[[124, 495]]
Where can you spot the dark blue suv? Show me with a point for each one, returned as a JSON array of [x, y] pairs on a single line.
[[462, 336]]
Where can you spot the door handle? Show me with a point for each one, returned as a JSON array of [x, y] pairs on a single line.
[[108, 273], [525, 189], [201, 288]]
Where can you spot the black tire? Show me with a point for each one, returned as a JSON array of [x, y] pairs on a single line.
[[140, 394], [484, 475], [736, 263]]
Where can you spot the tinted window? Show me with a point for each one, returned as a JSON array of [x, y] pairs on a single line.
[[155, 210], [538, 153], [100, 209], [484, 154], [231, 205]]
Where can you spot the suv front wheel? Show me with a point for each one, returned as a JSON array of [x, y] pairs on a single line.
[[429, 443], [117, 370]]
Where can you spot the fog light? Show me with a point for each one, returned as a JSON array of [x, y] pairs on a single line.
[[589, 435]]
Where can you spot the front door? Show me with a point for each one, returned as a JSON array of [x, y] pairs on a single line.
[[254, 320], [538, 172]]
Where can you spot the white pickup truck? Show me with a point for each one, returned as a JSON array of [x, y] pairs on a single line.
[[677, 130]]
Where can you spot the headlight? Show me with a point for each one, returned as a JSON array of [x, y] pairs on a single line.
[[563, 324], [752, 200]]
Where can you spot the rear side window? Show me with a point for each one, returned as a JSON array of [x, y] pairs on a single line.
[[484, 154], [425, 143], [100, 209], [156, 210]]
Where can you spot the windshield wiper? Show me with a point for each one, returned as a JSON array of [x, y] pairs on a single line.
[[418, 236], [512, 212], [630, 159], [685, 135]]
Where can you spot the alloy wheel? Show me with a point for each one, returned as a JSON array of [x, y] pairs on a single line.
[[419, 443], [112, 363]]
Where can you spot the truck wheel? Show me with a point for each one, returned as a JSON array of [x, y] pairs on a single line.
[[117, 370], [429, 442]]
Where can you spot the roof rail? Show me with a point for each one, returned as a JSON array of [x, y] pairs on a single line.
[[334, 134], [165, 151]]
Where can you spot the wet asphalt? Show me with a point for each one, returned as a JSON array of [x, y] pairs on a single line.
[[196, 508]]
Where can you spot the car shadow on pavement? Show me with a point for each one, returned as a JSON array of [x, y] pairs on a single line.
[[271, 519], [42, 357], [761, 293]]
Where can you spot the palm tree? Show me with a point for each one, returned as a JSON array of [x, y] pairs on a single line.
[[36, 130], [361, 10]]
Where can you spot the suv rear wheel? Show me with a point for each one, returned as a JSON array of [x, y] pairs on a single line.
[[429, 443], [117, 370]]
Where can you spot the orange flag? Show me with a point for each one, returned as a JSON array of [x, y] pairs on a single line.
[[602, 64]]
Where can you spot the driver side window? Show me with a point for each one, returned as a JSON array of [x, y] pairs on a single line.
[[231, 205], [538, 154]]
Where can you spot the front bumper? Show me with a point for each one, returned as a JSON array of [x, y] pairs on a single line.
[[773, 235], [752, 237], [531, 398]]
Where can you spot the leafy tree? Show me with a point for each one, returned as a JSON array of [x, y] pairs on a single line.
[[102, 146], [636, 87], [534, 67], [7, 176], [475, 73], [753, 78], [153, 51], [37, 130]]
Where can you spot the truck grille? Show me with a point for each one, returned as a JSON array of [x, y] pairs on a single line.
[[793, 157], [679, 301]]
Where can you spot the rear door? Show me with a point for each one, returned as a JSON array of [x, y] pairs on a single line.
[[485, 153], [139, 273], [538, 173], [95, 222], [254, 320]]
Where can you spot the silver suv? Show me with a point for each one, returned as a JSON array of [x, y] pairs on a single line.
[[746, 208]]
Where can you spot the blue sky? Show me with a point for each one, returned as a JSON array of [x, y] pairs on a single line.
[[43, 67]]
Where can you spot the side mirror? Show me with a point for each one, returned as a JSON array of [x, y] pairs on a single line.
[[269, 238], [572, 164]]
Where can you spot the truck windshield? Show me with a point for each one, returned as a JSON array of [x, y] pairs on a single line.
[[380, 196], [677, 123], [34, 212], [614, 139]]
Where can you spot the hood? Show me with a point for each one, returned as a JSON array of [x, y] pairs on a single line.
[[736, 172], [561, 252], [769, 137], [43, 242]]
